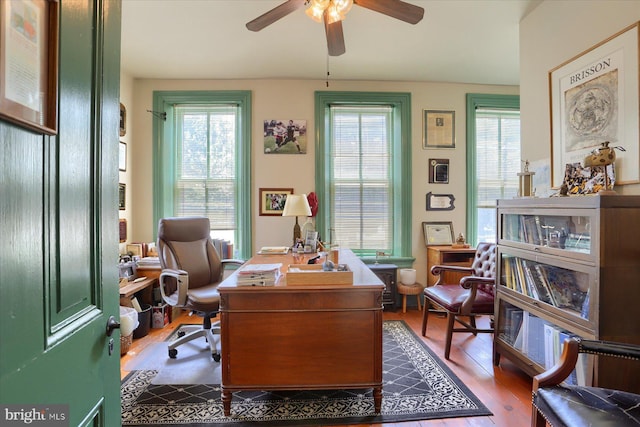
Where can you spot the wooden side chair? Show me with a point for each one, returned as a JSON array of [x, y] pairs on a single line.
[[471, 297], [575, 405]]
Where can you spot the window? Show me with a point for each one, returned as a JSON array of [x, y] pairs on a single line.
[[363, 173], [201, 156], [493, 160]]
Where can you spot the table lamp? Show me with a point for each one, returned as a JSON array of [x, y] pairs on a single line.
[[296, 205]]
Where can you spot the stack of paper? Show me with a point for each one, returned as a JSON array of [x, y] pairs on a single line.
[[259, 274]]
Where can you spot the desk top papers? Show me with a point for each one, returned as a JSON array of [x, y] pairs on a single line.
[[259, 274], [273, 250]]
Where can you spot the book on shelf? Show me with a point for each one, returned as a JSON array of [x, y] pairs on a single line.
[[224, 248], [564, 287]]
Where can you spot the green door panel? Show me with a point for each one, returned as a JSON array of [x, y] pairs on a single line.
[[59, 237]]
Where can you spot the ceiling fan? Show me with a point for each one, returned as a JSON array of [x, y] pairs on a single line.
[[332, 12]]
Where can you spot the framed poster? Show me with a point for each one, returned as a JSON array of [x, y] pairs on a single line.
[[438, 129], [438, 233], [272, 200], [29, 63], [594, 98], [285, 136]]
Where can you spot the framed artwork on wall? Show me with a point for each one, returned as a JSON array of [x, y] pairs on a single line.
[[594, 98], [438, 233], [122, 157], [440, 202], [438, 129], [438, 171], [29, 64], [122, 196], [272, 200], [123, 120], [285, 136]]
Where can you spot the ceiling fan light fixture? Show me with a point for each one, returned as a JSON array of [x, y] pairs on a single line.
[[343, 6], [315, 13]]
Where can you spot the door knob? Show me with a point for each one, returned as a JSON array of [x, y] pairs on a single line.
[[112, 324]]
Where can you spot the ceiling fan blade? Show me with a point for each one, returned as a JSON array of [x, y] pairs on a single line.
[[394, 8], [335, 37], [274, 14]]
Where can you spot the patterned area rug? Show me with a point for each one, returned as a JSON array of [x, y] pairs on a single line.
[[416, 386]]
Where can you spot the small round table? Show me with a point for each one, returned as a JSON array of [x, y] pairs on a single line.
[[404, 290]]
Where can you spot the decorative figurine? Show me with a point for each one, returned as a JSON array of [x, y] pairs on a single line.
[[460, 242]]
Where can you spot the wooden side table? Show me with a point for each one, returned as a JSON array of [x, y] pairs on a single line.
[[447, 255], [404, 290]]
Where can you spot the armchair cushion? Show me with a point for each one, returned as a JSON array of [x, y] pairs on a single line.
[[588, 406], [451, 297]]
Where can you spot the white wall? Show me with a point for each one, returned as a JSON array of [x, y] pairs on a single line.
[[295, 99], [553, 33]]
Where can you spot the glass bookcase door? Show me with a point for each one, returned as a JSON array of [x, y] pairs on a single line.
[[563, 286], [538, 339], [568, 232]]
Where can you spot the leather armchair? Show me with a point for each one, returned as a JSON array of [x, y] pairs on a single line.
[[575, 405], [191, 272], [471, 297]]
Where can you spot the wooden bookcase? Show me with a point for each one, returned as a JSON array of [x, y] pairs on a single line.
[[568, 266], [448, 255]]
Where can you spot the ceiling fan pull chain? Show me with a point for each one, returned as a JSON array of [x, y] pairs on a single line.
[[328, 74]]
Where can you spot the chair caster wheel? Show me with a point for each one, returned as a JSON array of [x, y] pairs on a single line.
[[173, 353], [181, 334], [216, 357]]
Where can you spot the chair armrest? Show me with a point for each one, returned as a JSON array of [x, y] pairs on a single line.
[[572, 347], [182, 280], [469, 281], [438, 269], [231, 261]]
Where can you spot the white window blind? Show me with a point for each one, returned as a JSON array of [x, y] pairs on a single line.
[[206, 165], [361, 177], [498, 162]]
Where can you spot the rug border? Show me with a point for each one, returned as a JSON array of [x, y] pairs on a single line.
[[482, 409]]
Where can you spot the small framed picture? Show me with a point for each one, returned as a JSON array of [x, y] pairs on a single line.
[[272, 200], [122, 157], [438, 129], [438, 233], [122, 196], [440, 202], [438, 171], [135, 249], [123, 120]]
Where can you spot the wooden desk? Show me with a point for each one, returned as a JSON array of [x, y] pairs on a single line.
[[302, 337], [145, 287]]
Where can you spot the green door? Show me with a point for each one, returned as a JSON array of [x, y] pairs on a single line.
[[59, 236]]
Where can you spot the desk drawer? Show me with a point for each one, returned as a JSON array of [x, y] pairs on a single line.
[[268, 301]]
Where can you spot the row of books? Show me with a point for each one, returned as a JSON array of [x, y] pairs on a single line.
[[224, 248], [542, 342], [259, 274], [555, 286]]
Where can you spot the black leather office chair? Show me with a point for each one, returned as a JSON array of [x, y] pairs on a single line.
[[191, 272], [558, 404]]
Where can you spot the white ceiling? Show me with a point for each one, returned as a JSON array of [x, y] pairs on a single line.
[[464, 41]]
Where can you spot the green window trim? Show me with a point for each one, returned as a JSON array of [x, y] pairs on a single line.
[[474, 102], [163, 169], [401, 168]]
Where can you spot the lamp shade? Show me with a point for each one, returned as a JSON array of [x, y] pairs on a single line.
[[296, 205]]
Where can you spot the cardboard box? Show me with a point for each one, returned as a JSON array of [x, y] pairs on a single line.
[[160, 316]]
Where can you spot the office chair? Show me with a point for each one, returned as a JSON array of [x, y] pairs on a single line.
[[471, 297], [191, 272]]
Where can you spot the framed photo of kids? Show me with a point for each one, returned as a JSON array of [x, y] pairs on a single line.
[[285, 136]]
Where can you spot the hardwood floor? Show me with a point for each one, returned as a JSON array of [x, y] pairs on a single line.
[[505, 390]]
